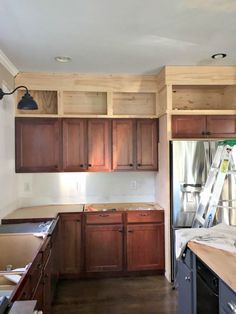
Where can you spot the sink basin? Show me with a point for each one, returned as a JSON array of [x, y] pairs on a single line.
[[29, 227]]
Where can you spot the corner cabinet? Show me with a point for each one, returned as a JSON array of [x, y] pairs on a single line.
[[38, 145]]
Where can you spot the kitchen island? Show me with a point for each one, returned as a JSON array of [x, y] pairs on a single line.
[[219, 281]]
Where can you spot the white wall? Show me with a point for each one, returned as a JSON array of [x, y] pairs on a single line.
[[8, 178], [66, 188]]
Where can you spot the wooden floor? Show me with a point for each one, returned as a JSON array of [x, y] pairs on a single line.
[[135, 295]]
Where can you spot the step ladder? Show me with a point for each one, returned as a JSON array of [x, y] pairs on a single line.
[[209, 198]]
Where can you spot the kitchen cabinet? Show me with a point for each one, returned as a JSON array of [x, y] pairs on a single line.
[[147, 131], [104, 248], [189, 287], [123, 144], [47, 288], [134, 144], [86, 144], [145, 247], [201, 126], [186, 283], [37, 145], [104, 241], [55, 252], [71, 250], [227, 299]]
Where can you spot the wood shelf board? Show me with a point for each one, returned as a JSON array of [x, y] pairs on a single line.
[[85, 82], [200, 75], [202, 112]]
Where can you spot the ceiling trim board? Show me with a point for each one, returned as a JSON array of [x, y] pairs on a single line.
[[8, 64]]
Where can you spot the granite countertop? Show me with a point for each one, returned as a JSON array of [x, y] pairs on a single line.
[[121, 206], [222, 263]]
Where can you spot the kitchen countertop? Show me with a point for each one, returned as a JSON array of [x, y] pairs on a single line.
[[51, 211], [44, 212], [222, 263]]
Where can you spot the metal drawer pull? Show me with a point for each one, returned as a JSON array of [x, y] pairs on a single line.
[[104, 215], [187, 278], [232, 307], [144, 214], [130, 231]]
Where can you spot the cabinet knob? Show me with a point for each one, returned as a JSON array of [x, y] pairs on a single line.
[[143, 214], [139, 165], [89, 165], [81, 165], [208, 133], [130, 231], [187, 278], [131, 165], [203, 133], [104, 215], [120, 230], [232, 307]]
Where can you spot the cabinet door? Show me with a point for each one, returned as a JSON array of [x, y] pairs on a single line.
[[227, 298], [146, 144], [145, 247], [185, 289], [188, 126], [221, 126], [47, 296], [74, 145], [71, 243], [99, 145], [104, 248], [123, 144], [37, 145]]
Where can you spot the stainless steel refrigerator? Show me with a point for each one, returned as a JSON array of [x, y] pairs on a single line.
[[190, 164]]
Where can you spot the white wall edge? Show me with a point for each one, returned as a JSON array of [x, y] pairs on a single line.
[[8, 64]]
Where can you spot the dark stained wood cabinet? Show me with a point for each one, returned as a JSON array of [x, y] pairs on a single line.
[[47, 288], [74, 144], [134, 144], [37, 145], [99, 145], [188, 126], [86, 145], [221, 126], [104, 248], [145, 247], [123, 144], [202, 126], [70, 236], [147, 144]]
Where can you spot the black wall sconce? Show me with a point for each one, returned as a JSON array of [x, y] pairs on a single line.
[[26, 103]]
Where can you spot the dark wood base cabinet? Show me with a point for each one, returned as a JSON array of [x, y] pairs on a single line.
[[145, 249], [104, 248]]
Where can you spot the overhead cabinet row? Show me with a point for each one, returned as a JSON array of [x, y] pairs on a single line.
[[70, 144]]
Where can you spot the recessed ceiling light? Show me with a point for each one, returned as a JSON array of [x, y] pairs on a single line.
[[219, 56], [63, 59]]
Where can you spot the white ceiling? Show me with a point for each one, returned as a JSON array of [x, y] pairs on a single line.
[[116, 36]]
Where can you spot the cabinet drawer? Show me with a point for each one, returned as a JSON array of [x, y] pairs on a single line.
[[103, 218], [227, 298], [145, 216]]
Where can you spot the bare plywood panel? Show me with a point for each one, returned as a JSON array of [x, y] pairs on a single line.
[[46, 100], [18, 249], [134, 104], [198, 97], [85, 103]]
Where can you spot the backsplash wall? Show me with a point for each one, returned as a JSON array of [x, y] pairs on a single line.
[[67, 188]]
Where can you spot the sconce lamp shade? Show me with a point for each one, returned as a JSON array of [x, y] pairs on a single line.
[[26, 103]]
